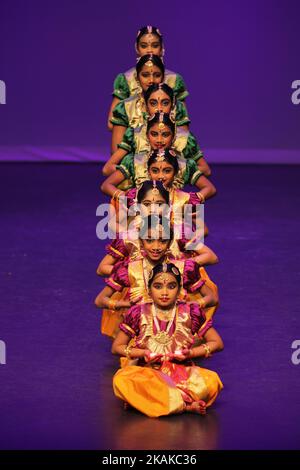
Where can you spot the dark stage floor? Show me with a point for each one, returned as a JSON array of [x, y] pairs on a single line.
[[56, 385]]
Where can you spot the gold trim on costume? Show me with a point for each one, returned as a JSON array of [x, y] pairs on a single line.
[[115, 283], [138, 283], [134, 107], [116, 251], [127, 327]]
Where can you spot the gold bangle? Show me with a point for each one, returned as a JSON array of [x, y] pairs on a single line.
[[201, 197], [127, 351], [114, 193], [207, 350]]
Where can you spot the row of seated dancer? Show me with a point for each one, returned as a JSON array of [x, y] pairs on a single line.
[[158, 302]]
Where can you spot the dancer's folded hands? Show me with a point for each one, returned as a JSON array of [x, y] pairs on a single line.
[[179, 355], [152, 357]]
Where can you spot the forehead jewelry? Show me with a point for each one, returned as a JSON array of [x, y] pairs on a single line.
[[161, 124], [160, 156], [149, 63], [165, 267], [154, 189], [162, 278], [149, 29]]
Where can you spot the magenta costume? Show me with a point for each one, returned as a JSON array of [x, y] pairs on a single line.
[[132, 324]]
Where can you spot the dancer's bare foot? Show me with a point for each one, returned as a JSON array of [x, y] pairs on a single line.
[[198, 407]]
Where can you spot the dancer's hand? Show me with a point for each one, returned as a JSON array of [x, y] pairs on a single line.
[[180, 355], [136, 300], [137, 353], [152, 357]]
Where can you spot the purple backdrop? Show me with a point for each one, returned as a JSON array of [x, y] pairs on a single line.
[[238, 58]]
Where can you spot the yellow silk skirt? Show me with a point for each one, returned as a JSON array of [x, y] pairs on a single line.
[[111, 319], [166, 390]]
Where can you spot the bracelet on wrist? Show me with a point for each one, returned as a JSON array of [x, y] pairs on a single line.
[[208, 352], [116, 194], [127, 351]]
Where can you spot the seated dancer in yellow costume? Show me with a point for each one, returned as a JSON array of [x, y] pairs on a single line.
[[129, 277], [148, 41], [151, 135], [164, 380]]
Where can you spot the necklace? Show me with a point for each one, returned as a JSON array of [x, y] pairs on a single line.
[[162, 337], [166, 314]]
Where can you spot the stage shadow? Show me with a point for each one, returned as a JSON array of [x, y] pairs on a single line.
[[186, 431]]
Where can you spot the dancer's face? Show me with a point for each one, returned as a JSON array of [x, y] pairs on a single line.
[[152, 203], [155, 248], [160, 138], [162, 171], [164, 290], [148, 75], [149, 44], [159, 102]]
